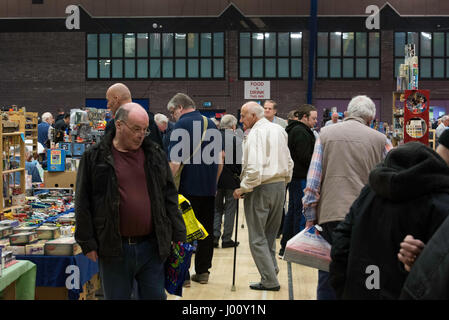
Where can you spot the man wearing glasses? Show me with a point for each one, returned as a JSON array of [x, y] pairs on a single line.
[[127, 208]]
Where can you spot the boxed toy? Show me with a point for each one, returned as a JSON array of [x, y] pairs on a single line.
[[48, 232], [23, 229], [9, 223], [23, 238], [62, 247], [5, 232], [35, 248]]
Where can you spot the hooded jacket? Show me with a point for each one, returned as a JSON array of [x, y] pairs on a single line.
[[301, 142], [406, 194]]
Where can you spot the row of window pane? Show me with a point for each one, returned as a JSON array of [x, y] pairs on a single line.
[[270, 68], [432, 49], [348, 68], [154, 68], [142, 45]]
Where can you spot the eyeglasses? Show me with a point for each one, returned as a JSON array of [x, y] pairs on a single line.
[[136, 131]]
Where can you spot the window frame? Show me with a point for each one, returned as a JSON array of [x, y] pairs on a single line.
[[354, 57], [277, 57], [161, 58]]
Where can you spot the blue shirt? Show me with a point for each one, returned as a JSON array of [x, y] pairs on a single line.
[[199, 176], [42, 132]]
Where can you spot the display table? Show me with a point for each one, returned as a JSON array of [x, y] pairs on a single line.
[[52, 273], [23, 275]]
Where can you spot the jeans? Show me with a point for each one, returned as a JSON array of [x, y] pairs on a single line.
[[140, 262], [294, 220], [324, 290], [228, 208]]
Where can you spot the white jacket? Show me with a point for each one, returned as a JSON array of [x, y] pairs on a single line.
[[266, 157]]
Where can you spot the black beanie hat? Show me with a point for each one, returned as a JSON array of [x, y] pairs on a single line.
[[444, 139]]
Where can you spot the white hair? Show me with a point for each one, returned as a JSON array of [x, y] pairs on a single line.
[[362, 107], [228, 121], [160, 118], [255, 108], [46, 116]]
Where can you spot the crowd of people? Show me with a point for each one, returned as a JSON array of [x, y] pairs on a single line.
[[376, 205]]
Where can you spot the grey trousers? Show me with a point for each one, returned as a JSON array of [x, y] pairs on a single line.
[[227, 207], [263, 212]]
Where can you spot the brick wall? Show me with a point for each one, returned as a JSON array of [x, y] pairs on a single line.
[[44, 71]]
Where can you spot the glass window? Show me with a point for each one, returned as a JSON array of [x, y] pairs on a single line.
[[397, 64], [105, 45], [374, 68], [193, 68], [374, 44], [426, 44], [295, 38], [180, 44], [270, 44], [206, 44], [258, 44], [245, 44], [257, 68], [218, 68], [360, 68], [130, 68], [155, 68], [283, 68], [283, 44], [360, 40], [348, 68], [117, 45], [425, 68], [218, 44], [92, 69], [447, 67], [167, 45], [322, 44], [270, 68], [105, 69], [438, 68], [206, 68], [155, 45], [322, 68], [413, 37], [348, 44], [130, 45], [399, 43], [296, 68], [142, 68], [245, 68], [438, 44], [193, 45], [117, 68], [335, 68], [92, 46], [335, 44], [180, 67], [167, 68], [142, 45]]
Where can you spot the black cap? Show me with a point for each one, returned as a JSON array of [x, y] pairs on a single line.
[[444, 139]]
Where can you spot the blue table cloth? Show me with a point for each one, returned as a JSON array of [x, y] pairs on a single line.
[[51, 271]]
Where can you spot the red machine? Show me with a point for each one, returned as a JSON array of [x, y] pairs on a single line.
[[416, 116]]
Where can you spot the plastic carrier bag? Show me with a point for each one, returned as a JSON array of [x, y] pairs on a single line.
[[309, 248], [176, 267], [195, 230]]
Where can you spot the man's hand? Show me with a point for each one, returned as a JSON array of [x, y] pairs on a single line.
[[409, 252], [92, 256], [238, 193], [310, 223]]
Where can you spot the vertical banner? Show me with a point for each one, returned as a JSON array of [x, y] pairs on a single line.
[[416, 116]]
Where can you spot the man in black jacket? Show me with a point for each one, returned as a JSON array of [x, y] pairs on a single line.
[[407, 194], [301, 141], [127, 208]]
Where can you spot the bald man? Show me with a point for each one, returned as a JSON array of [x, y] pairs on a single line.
[[266, 169], [127, 208], [119, 94]]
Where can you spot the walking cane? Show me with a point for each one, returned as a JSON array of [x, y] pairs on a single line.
[[235, 247]]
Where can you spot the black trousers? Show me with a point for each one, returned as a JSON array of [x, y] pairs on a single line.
[[204, 209]]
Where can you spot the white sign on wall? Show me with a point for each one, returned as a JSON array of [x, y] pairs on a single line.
[[257, 90]]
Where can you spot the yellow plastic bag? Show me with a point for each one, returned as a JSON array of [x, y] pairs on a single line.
[[195, 230]]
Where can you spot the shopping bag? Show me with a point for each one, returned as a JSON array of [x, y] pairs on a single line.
[[195, 230], [309, 248], [177, 266]]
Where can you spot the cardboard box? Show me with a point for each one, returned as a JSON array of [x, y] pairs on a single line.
[[5, 232], [23, 238], [65, 179], [35, 248], [62, 247], [48, 232], [16, 250]]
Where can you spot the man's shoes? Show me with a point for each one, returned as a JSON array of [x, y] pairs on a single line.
[[202, 278], [186, 284], [260, 286], [281, 253], [229, 244]]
